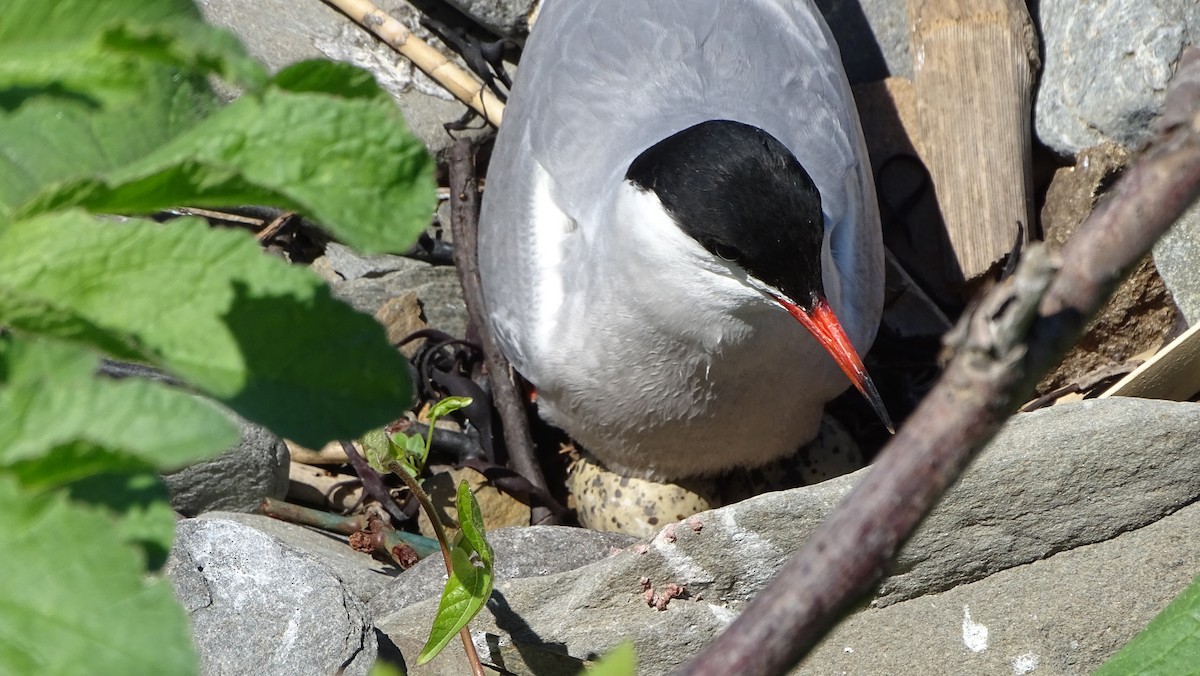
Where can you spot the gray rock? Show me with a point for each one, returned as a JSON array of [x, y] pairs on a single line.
[[1053, 480], [1106, 69], [282, 32], [364, 575], [436, 287], [532, 551], [507, 18], [872, 36], [258, 606], [236, 480], [350, 265], [1063, 615], [1175, 256]]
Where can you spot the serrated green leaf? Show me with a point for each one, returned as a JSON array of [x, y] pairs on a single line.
[[621, 661], [57, 410], [87, 86], [350, 163], [168, 31], [377, 449], [139, 506], [265, 338], [63, 21], [190, 46], [470, 522], [58, 132], [75, 598], [1168, 646], [467, 590], [447, 406]]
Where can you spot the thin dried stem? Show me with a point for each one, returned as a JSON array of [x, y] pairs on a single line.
[[462, 84], [464, 219]]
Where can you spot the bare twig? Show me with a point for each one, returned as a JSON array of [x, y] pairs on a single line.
[[463, 85], [275, 227], [992, 372], [464, 211], [373, 483], [389, 539]]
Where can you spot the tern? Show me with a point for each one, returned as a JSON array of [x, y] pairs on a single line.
[[679, 242]]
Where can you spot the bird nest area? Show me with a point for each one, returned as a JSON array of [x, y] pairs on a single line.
[[519, 465], [924, 300]]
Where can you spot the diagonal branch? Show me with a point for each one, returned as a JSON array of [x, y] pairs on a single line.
[[1015, 334], [464, 212]]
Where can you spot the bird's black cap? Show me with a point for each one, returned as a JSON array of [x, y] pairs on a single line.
[[742, 195]]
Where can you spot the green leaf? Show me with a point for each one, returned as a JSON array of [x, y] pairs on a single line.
[[1169, 645], [28, 22], [265, 338], [447, 406], [75, 598], [415, 453], [88, 86], [61, 422], [378, 450], [190, 46], [55, 42], [467, 589], [350, 163], [55, 132], [621, 661], [469, 586], [381, 668], [139, 506], [470, 522]]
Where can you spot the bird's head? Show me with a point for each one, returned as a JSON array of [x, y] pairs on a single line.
[[747, 200]]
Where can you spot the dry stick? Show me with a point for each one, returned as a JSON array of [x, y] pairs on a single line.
[[464, 86], [464, 215], [373, 483], [985, 383]]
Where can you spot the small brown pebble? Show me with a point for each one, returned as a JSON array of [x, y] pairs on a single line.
[[695, 523], [664, 597], [668, 533]]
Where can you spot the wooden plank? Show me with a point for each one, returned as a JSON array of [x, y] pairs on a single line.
[[1172, 374], [974, 63]]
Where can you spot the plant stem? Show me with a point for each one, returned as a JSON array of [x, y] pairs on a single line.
[[440, 531]]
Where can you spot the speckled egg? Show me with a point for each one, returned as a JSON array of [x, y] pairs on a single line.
[[608, 501]]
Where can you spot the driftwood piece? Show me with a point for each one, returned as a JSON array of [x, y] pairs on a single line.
[[1015, 334], [317, 487], [974, 64]]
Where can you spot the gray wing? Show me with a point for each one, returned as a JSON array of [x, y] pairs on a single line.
[[602, 80]]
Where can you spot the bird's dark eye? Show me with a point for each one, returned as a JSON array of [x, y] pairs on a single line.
[[724, 251]]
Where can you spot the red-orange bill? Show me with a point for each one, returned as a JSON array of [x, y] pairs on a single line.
[[823, 324]]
